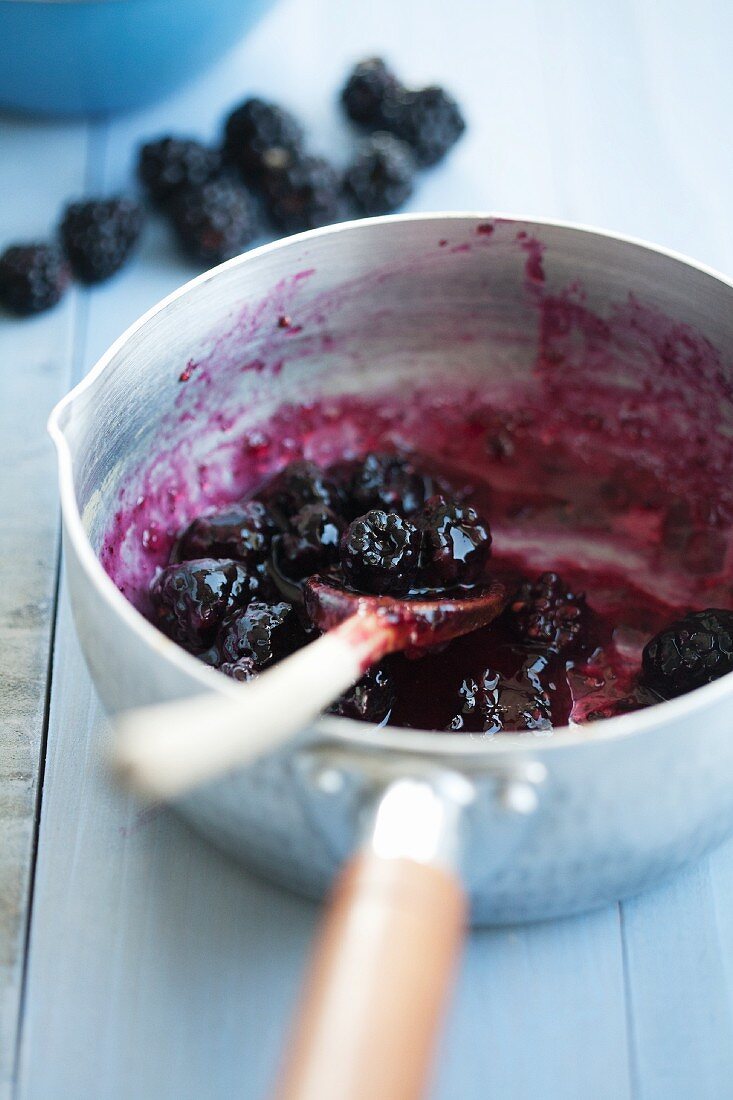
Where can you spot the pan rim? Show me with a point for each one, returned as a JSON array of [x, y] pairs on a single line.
[[345, 730]]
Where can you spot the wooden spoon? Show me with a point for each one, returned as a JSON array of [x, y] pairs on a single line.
[[167, 749]]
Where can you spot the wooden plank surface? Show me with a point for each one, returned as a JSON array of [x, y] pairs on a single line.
[[157, 968], [35, 371]]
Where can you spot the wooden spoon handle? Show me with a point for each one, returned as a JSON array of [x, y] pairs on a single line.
[[377, 983], [167, 749]]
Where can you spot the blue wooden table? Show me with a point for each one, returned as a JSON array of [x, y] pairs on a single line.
[[137, 962]]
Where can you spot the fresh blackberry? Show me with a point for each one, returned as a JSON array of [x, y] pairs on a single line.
[[256, 130], [312, 543], [303, 192], [169, 164], [214, 221], [368, 85], [298, 484], [191, 599], [369, 700], [390, 482], [546, 613], [260, 633], [380, 178], [456, 543], [242, 532], [690, 652], [99, 235], [495, 703], [33, 277], [379, 553], [428, 120]]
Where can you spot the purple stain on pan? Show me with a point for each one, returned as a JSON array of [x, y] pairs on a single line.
[[533, 268], [561, 449]]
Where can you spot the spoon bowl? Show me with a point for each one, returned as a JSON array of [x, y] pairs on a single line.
[[412, 622]]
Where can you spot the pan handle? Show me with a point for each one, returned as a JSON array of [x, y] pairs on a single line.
[[384, 958]]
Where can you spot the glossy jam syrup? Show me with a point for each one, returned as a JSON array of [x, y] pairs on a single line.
[[641, 552], [605, 456]]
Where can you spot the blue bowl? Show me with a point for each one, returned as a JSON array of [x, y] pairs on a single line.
[[71, 57]]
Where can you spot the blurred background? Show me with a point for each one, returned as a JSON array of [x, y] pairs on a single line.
[[609, 113]]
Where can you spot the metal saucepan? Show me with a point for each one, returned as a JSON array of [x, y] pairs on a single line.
[[517, 828]]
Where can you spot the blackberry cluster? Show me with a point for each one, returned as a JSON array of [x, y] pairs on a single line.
[[390, 482], [232, 593], [258, 133], [213, 196], [380, 553], [298, 484], [381, 177], [99, 235], [456, 543], [244, 533], [260, 634], [33, 277], [215, 220], [170, 164], [369, 86], [311, 543], [428, 120], [191, 599], [302, 192]]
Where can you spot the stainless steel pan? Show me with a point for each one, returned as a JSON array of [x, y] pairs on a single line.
[[531, 828]]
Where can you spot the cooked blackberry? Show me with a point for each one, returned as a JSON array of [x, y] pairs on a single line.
[[260, 633], [255, 130], [390, 482], [33, 277], [243, 670], [169, 164], [494, 703], [303, 193], [691, 652], [429, 120], [380, 178], [214, 221], [298, 484], [312, 542], [548, 613], [456, 543], [368, 85], [379, 553], [369, 700], [99, 235], [242, 532], [191, 599]]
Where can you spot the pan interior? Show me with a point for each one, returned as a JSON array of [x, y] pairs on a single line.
[[592, 371]]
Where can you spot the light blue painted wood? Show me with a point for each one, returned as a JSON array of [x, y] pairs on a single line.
[[34, 371], [678, 989], [157, 968], [539, 1012]]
